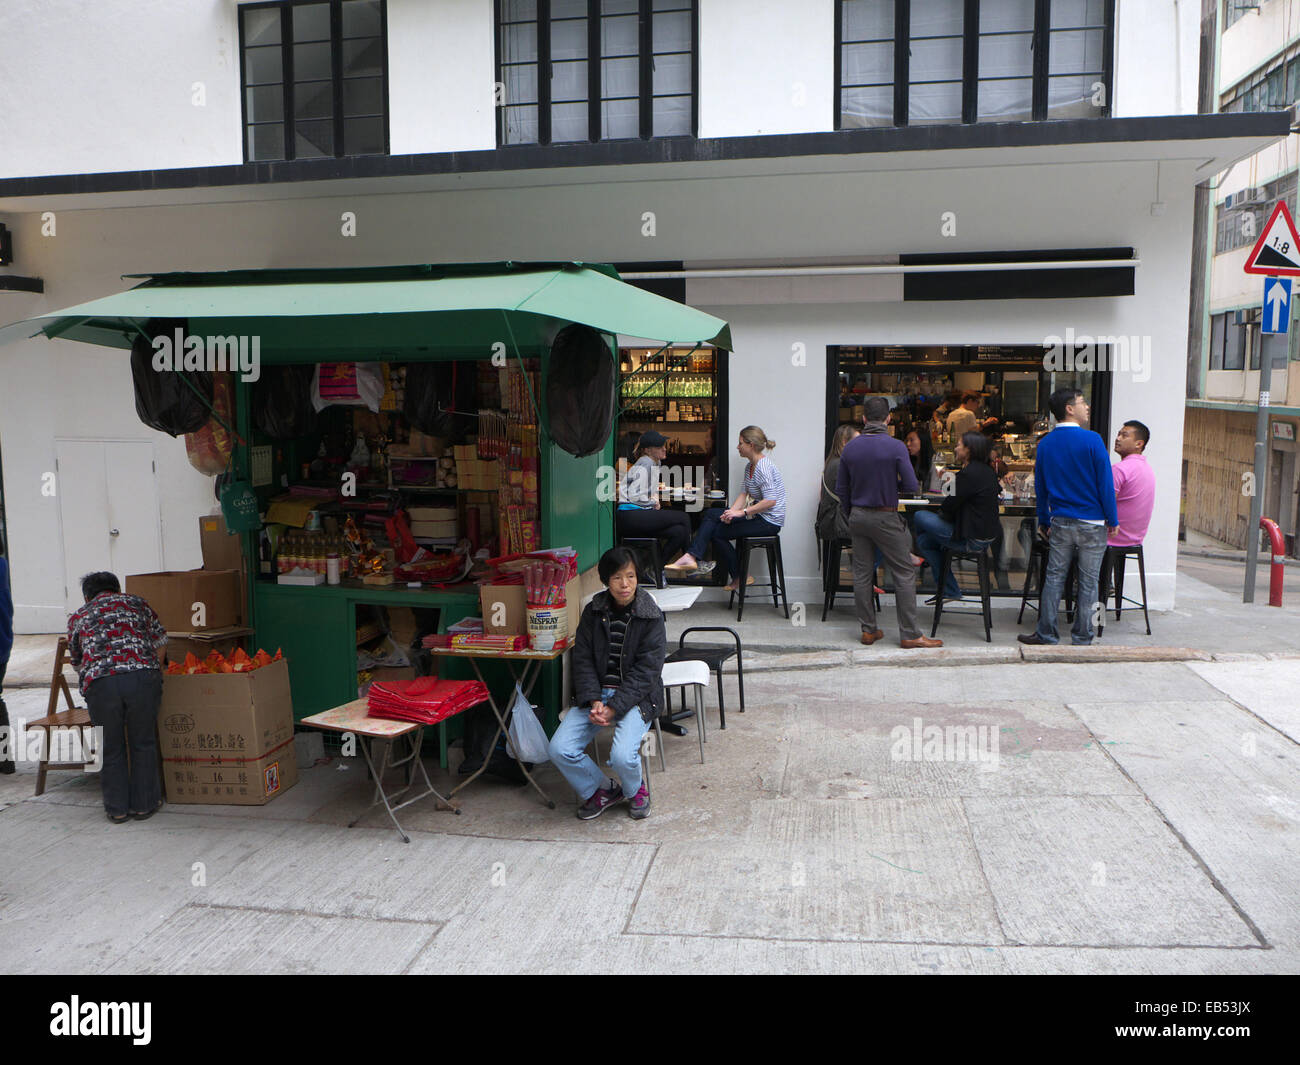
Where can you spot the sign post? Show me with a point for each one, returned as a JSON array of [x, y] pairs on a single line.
[[1276, 255]]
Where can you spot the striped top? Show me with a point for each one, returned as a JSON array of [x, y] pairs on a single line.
[[763, 481], [617, 632]]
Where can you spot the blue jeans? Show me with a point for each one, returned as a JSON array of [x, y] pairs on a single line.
[[569, 750], [713, 530], [934, 533], [1070, 538]]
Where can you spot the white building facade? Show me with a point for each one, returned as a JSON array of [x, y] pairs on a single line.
[[733, 135]]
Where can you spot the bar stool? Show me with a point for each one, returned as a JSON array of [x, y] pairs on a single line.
[[639, 544], [831, 551], [982, 561], [775, 569], [1038, 562], [1114, 559]]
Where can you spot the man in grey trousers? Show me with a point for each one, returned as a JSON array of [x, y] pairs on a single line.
[[872, 467]]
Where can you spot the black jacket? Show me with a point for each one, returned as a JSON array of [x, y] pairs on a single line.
[[973, 508], [644, 645]]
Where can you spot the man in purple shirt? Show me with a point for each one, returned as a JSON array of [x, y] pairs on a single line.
[[872, 467]]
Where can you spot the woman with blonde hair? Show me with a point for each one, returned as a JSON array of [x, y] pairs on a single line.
[[757, 511]]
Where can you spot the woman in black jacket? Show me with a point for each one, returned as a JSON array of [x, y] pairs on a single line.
[[970, 515], [618, 661]]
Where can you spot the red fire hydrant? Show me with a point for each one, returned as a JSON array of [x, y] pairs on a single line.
[[1279, 558]]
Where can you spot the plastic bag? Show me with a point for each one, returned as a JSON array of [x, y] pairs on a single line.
[[163, 400], [436, 394], [580, 390], [209, 449], [528, 740], [282, 402], [348, 384]]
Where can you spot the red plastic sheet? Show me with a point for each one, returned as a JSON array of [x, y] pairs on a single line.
[[427, 700]]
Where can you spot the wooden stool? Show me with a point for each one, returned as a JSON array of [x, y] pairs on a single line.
[[74, 717]]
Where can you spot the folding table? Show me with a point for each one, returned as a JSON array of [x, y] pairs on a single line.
[[524, 667], [354, 718]]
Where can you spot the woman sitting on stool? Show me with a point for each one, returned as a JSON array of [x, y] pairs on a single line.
[[970, 516], [762, 517], [639, 513]]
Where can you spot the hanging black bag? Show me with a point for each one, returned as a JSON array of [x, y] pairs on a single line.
[[282, 406], [167, 397], [580, 390], [440, 398]]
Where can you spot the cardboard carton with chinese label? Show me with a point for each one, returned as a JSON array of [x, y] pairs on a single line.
[[227, 738]]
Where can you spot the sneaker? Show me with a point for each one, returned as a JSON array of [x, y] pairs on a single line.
[[601, 800], [640, 805]]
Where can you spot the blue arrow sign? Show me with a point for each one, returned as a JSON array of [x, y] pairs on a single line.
[[1277, 305]]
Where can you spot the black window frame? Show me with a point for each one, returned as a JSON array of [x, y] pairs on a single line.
[[1041, 68], [289, 120], [645, 81]]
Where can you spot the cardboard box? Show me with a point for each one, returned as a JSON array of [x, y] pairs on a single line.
[[224, 550], [202, 644], [507, 601], [228, 739], [173, 596]]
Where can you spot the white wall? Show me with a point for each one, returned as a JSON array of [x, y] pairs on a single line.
[[92, 87], [766, 67], [1157, 50], [1254, 38], [440, 76]]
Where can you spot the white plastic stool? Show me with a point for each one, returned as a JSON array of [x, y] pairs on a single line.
[[690, 675]]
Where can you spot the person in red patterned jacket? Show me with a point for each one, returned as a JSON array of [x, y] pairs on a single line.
[[117, 645]]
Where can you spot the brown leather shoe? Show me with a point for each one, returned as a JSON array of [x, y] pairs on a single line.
[[871, 637], [920, 641]]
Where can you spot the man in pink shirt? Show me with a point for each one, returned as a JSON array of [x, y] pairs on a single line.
[[1135, 486]]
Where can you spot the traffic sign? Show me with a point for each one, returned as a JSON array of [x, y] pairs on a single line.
[[1277, 305], [1277, 252]]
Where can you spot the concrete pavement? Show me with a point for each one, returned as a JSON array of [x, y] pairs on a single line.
[[1007, 817]]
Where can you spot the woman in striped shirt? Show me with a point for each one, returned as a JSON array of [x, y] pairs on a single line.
[[762, 515]]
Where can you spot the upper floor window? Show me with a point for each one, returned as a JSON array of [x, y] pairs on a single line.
[[912, 62], [1239, 218], [315, 79], [1235, 9], [1270, 88], [590, 70]]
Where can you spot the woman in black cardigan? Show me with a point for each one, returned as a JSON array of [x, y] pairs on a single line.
[[970, 515], [618, 661]]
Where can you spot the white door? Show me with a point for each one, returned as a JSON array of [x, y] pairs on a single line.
[[108, 506]]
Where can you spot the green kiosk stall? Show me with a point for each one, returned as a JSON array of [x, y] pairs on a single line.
[[502, 314]]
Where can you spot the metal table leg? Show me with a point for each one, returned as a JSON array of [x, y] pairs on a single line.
[[526, 680], [385, 763]]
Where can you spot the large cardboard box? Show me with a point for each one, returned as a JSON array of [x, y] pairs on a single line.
[[174, 594], [224, 550], [227, 739], [202, 644], [504, 608]]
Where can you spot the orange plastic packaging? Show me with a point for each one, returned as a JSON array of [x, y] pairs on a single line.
[[216, 662]]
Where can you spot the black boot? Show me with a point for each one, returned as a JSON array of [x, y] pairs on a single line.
[[6, 766]]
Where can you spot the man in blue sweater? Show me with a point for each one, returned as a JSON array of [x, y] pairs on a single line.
[[1076, 505]]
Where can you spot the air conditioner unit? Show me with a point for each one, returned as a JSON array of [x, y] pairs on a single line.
[[1251, 196], [1295, 115]]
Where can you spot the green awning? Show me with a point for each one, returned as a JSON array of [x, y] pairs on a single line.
[[403, 313]]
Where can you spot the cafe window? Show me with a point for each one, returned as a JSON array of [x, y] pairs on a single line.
[[914, 62], [314, 79], [613, 70]]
